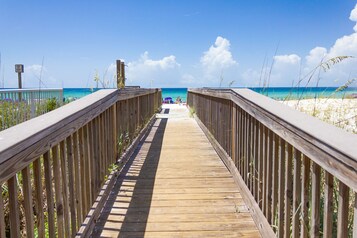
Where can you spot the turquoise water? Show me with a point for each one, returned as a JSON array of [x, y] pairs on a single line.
[[296, 93], [276, 93]]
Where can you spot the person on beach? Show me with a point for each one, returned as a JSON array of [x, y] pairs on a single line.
[[178, 100]]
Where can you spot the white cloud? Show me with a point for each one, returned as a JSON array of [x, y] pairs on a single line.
[[292, 59], [147, 72], [219, 55], [289, 68], [315, 56], [353, 17], [168, 62]]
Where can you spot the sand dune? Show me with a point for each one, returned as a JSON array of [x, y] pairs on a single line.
[[339, 112]]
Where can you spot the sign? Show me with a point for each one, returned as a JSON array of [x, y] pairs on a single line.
[[19, 68]]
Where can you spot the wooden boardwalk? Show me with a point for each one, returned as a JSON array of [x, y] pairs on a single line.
[[175, 185]]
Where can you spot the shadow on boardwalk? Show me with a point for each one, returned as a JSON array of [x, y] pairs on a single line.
[[127, 208]]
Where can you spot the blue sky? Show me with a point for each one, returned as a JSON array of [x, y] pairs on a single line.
[[176, 43]]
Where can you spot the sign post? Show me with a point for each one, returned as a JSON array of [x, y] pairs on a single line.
[[120, 74], [19, 69]]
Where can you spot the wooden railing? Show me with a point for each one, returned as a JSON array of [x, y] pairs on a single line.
[[298, 174], [19, 105], [53, 167]]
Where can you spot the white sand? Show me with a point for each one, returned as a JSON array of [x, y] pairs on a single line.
[[339, 112]]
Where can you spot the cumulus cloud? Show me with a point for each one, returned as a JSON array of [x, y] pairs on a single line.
[[148, 72], [353, 17], [168, 62], [289, 68], [218, 55], [316, 55], [287, 59]]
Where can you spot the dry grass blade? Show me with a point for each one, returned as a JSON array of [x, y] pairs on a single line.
[[326, 65]]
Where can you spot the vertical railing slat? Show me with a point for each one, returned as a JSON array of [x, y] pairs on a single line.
[[315, 200], [305, 178], [296, 193], [83, 177], [77, 180], [71, 184], [264, 172], [275, 187], [328, 205], [58, 191], [342, 216], [2, 215], [288, 190], [26, 182], [49, 194], [355, 216], [281, 187], [40, 219], [64, 176], [13, 207]]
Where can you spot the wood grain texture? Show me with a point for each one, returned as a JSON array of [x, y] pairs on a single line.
[[2, 216], [14, 208], [328, 205], [332, 148], [58, 191], [170, 200], [18, 149], [49, 194], [40, 223], [26, 178], [342, 214], [315, 206]]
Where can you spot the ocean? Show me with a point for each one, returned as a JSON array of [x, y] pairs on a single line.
[[278, 93]]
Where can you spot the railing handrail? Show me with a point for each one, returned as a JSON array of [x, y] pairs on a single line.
[[23, 143], [334, 149]]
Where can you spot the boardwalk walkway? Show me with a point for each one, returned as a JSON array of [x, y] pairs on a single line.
[[175, 185]]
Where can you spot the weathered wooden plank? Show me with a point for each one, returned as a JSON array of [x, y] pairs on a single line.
[[288, 194], [281, 193], [58, 191], [315, 200], [264, 172], [49, 194], [275, 161], [342, 215], [83, 201], [305, 178], [257, 214], [260, 165], [355, 217], [256, 160], [328, 205], [178, 203], [14, 208], [2, 215], [71, 185], [77, 179], [26, 183], [40, 219], [64, 177], [296, 193], [193, 234]]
